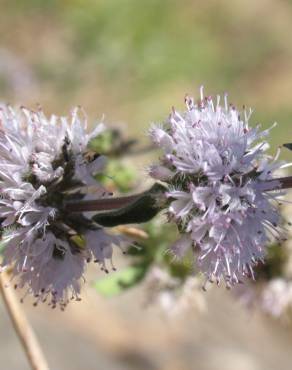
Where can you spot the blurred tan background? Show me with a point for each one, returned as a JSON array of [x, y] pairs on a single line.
[[132, 60]]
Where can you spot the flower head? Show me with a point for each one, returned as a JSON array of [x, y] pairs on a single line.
[[173, 295], [276, 297], [273, 297], [43, 164], [219, 179]]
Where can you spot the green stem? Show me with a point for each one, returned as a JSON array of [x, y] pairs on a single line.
[[109, 204], [105, 204]]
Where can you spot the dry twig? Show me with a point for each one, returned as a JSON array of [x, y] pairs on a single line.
[[133, 232], [22, 327]]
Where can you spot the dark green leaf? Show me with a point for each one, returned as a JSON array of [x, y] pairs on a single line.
[[141, 210], [288, 146]]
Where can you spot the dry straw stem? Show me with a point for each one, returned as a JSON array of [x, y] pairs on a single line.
[[22, 327], [133, 232]]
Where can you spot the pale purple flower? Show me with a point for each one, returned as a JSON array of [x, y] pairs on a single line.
[[219, 182], [174, 296], [43, 163], [272, 297], [276, 297]]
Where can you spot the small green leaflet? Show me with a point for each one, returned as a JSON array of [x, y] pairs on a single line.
[[288, 146], [119, 281], [2, 246]]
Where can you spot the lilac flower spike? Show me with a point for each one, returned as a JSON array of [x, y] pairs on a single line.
[[219, 179], [43, 163]]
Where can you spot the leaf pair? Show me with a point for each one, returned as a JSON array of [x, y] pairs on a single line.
[[140, 210]]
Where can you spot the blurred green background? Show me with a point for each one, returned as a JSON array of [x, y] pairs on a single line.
[[132, 61]]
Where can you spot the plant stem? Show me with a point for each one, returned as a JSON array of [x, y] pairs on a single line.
[[105, 204], [286, 182], [22, 327]]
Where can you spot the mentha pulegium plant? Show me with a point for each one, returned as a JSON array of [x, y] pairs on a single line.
[[44, 163], [220, 187], [218, 181]]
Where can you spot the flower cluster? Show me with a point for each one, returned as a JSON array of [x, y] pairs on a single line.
[[276, 297], [176, 297], [44, 163], [273, 297], [219, 187]]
